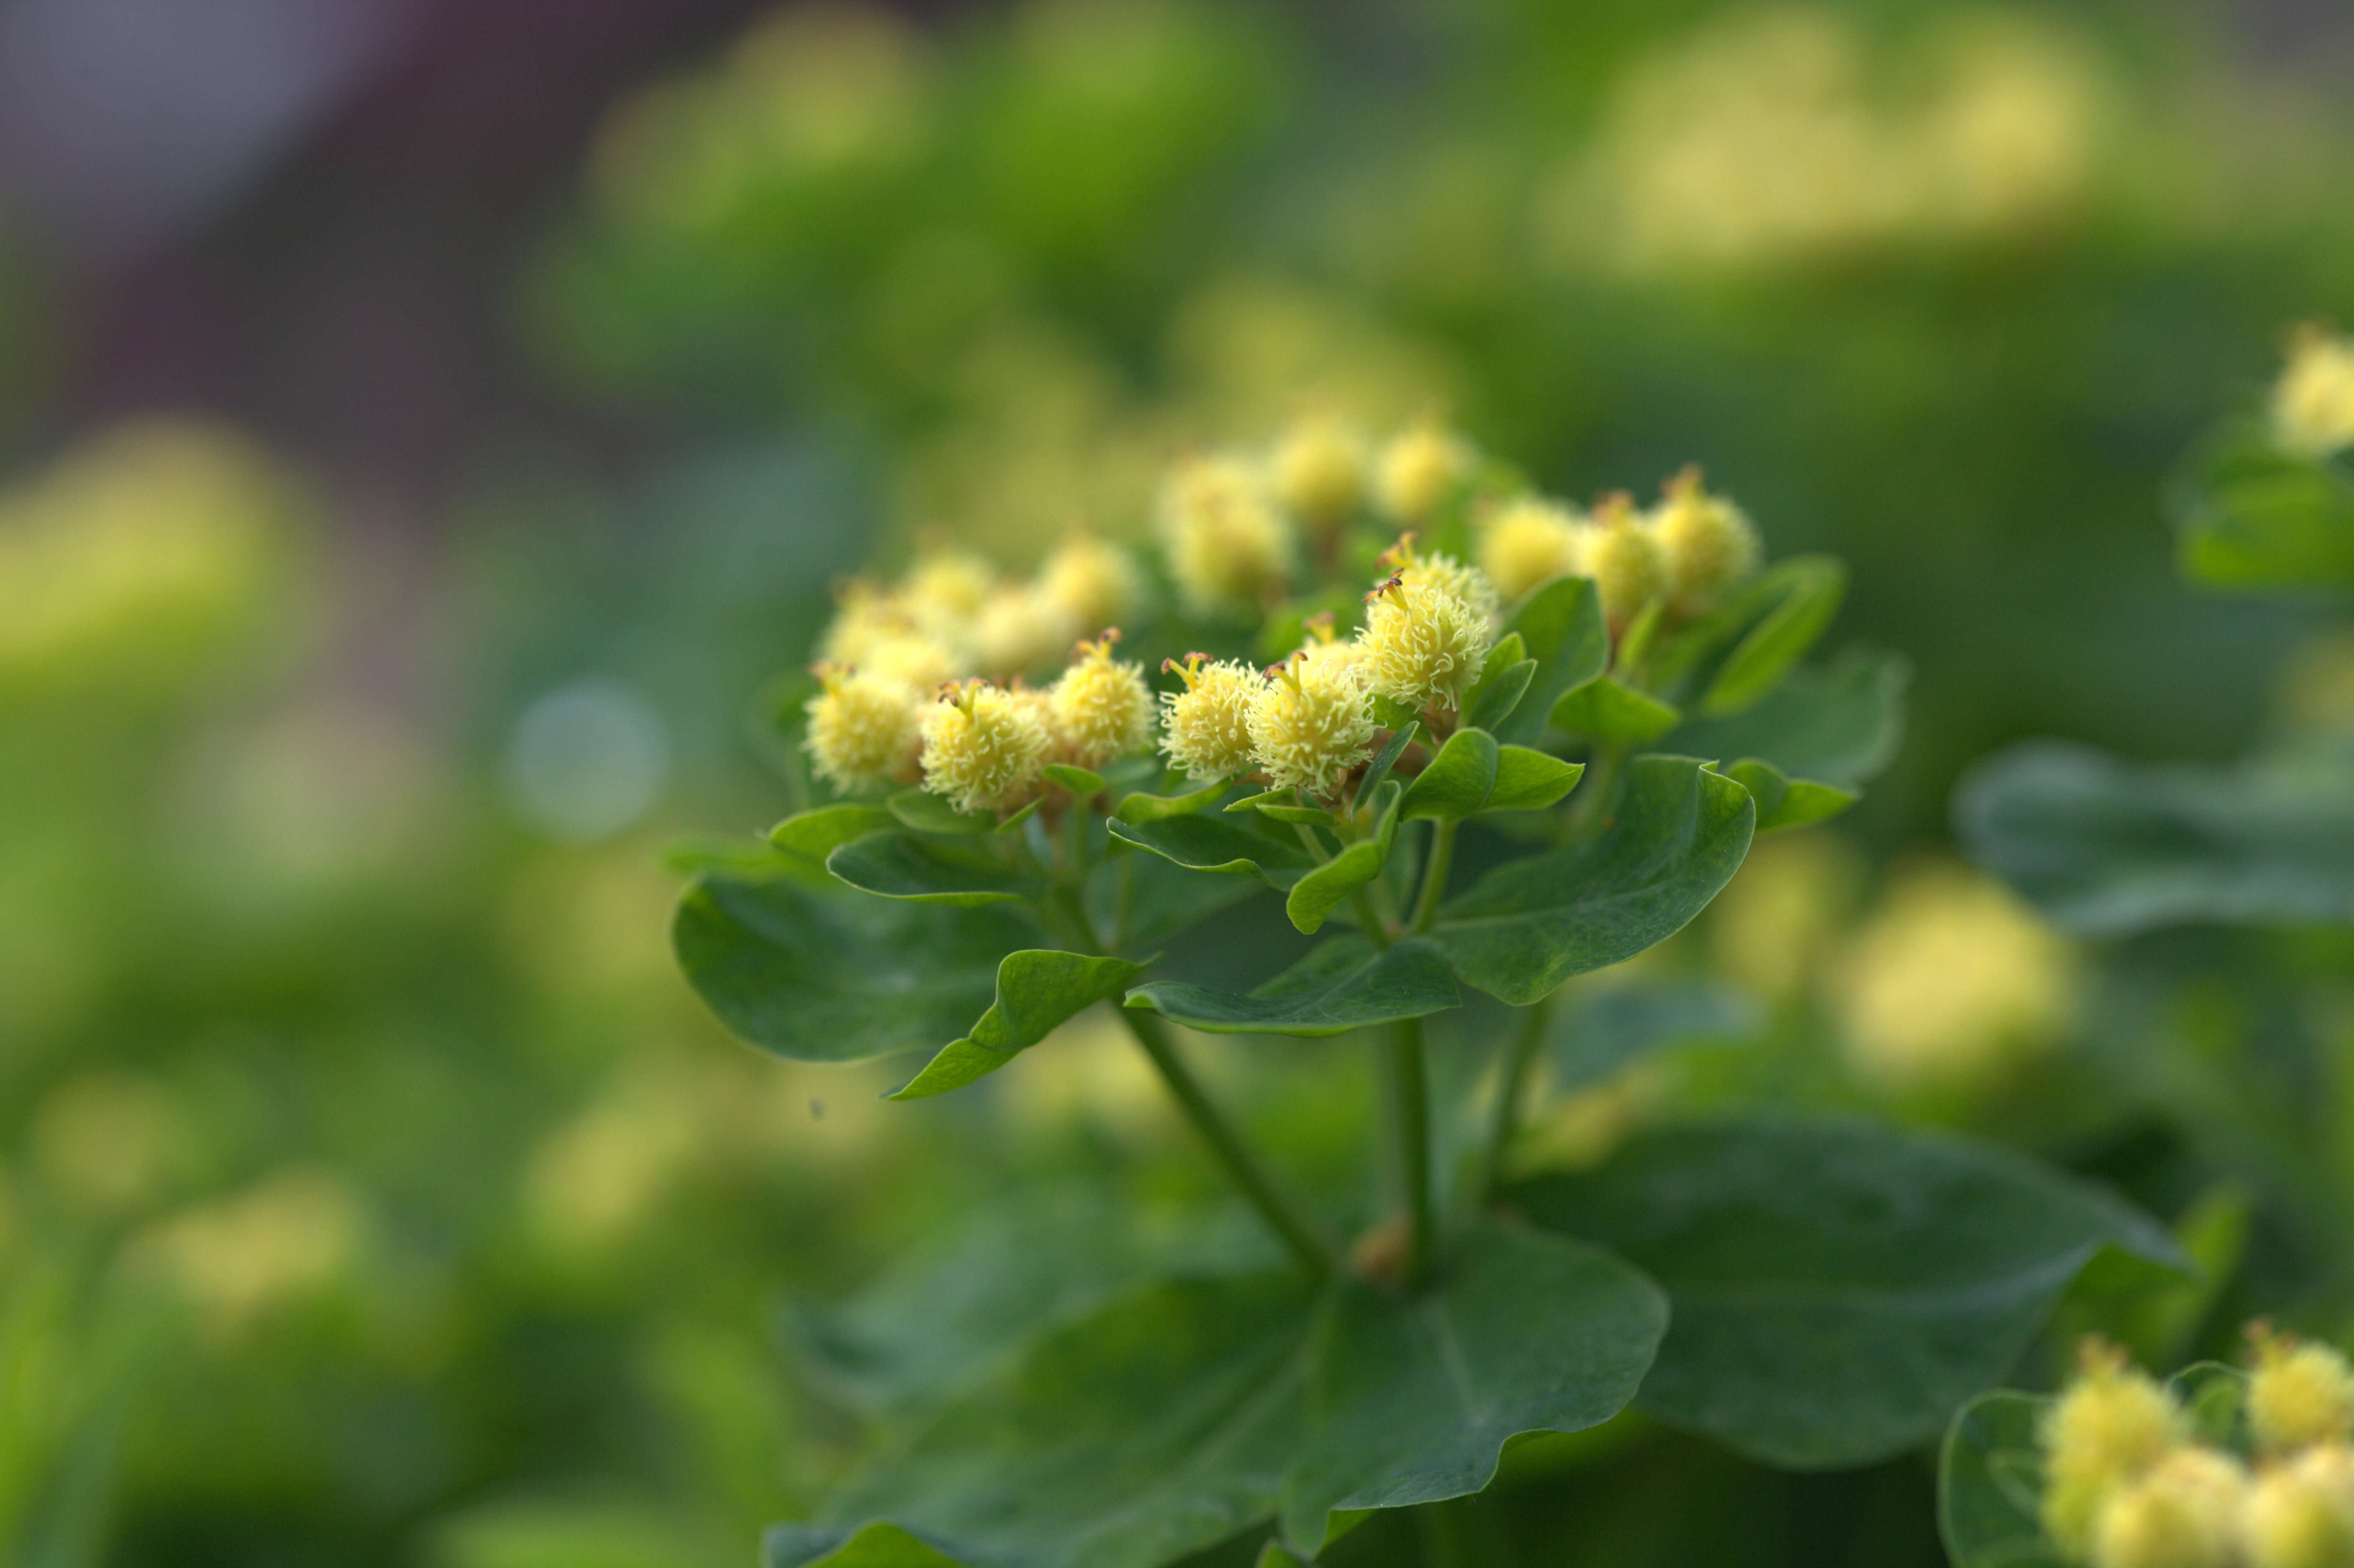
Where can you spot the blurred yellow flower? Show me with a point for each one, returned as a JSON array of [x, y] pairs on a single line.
[[1528, 542], [2313, 401], [1229, 546], [292, 1235]]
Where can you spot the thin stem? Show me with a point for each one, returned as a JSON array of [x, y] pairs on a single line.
[[1450, 1534], [1315, 845], [1410, 1117], [1377, 930], [1593, 798], [1512, 1089], [1224, 1142], [1434, 878]]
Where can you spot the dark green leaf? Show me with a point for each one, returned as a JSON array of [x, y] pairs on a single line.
[[1786, 802], [1392, 714], [1499, 694], [1990, 1485], [1143, 808], [1593, 1040], [1037, 989], [1246, 844], [1083, 783], [1609, 713], [930, 869], [813, 835], [1183, 1414], [876, 1546], [1315, 896], [1529, 780], [928, 814], [1290, 812], [1799, 597], [1458, 780], [833, 977], [2107, 847], [1839, 723], [1264, 798], [1344, 984], [2254, 515], [1679, 833], [1384, 760], [1013, 824], [1561, 627], [1840, 1289], [1140, 901]]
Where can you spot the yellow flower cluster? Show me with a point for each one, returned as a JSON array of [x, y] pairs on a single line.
[[1426, 630], [2313, 401], [982, 743], [1685, 552], [892, 647], [1205, 727], [1309, 726], [2126, 1487]]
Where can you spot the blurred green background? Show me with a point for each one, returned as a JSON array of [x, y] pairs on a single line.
[[424, 427]]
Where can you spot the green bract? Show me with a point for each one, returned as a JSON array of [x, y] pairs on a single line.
[[1061, 1389]]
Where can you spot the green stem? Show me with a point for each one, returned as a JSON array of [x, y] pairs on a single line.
[[1450, 1534], [1593, 798], [1410, 1119], [1315, 845], [1377, 930], [1434, 878], [1512, 1089], [1224, 1142]]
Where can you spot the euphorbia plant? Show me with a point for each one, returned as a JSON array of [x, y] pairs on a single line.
[[1474, 741]]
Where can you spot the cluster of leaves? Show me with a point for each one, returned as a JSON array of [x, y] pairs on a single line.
[[1055, 1390]]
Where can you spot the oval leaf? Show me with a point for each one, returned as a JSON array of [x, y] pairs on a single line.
[[1611, 714], [1315, 896], [1529, 780], [1499, 693], [829, 977], [1245, 844], [1141, 808], [1083, 783], [1838, 1289], [1344, 984], [1678, 836], [1839, 723], [1799, 596], [1377, 770], [928, 869], [1786, 802], [1561, 627], [1456, 782], [928, 814], [2253, 515], [813, 835], [1037, 989]]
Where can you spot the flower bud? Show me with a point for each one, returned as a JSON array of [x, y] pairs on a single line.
[[1205, 729], [945, 587], [1228, 544], [2301, 1393], [918, 663], [1706, 542], [1310, 726], [1325, 652], [1099, 709], [1318, 470], [2182, 1513], [1422, 642], [863, 615], [1622, 557], [2300, 1514], [981, 743], [862, 727], [1089, 581], [2112, 1423], [1019, 628], [2313, 402], [1420, 469], [1530, 541]]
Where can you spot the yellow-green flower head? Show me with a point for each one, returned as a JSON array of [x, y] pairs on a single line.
[[1019, 628], [2182, 1513], [946, 586], [1423, 642], [2300, 1513], [1310, 726], [982, 745], [1706, 542], [2111, 1425], [918, 663], [1229, 545], [1445, 573], [1623, 558], [1419, 469], [1205, 729], [863, 729], [2313, 402], [1324, 650], [2301, 1393], [1319, 470], [1089, 580], [1529, 542], [864, 614], [1100, 709]]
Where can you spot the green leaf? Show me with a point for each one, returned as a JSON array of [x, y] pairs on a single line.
[[929, 869], [1140, 901], [2106, 847], [829, 977], [1307, 816], [1499, 694], [1244, 845], [1392, 714], [1458, 781], [1798, 597], [1590, 1042], [2254, 515], [1346, 984], [1013, 824], [1608, 714], [927, 813], [1839, 723], [813, 835], [1083, 783], [876, 1546], [1315, 896], [1384, 760], [1678, 836], [1253, 802], [1990, 1485], [1529, 780], [1838, 1289], [1561, 627], [1037, 991], [1786, 802], [1182, 1414], [1141, 808]]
